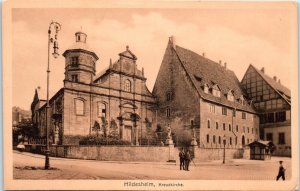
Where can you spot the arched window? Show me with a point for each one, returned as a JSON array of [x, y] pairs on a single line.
[[127, 86], [217, 125], [229, 127], [230, 141], [207, 138], [101, 109], [79, 107], [237, 128], [208, 124], [214, 139], [224, 128], [219, 140], [236, 140]]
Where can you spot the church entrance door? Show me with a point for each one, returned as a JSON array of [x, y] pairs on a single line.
[[127, 134]]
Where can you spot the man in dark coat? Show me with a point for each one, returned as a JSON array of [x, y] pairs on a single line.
[[187, 159], [281, 172], [181, 159]]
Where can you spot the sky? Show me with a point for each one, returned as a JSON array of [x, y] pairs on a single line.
[[265, 36]]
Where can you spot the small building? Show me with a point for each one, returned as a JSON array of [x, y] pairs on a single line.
[[260, 150]]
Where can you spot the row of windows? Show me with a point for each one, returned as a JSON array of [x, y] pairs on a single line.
[[80, 108], [212, 109], [214, 140], [230, 129], [271, 104], [281, 138], [217, 93], [273, 117]]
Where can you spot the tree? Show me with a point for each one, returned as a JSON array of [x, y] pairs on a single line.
[[104, 125], [96, 128], [184, 138], [113, 132]]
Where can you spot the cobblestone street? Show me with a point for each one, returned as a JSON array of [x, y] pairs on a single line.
[[239, 169]]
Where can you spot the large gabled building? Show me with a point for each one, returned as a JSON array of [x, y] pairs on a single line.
[[272, 100], [200, 95]]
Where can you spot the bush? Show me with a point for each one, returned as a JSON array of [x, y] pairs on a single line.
[[72, 139], [146, 141], [92, 140]]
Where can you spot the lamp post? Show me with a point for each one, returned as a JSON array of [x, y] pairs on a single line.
[[52, 39], [224, 142]]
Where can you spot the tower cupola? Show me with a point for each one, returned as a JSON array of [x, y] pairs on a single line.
[[80, 37], [80, 61]]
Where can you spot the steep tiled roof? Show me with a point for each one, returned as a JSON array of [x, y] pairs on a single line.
[[204, 71], [281, 89]]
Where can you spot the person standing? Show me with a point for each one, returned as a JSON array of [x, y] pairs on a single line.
[[181, 159], [187, 160], [281, 172]]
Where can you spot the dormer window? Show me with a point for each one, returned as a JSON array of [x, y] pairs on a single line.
[[230, 96], [216, 91], [242, 100], [205, 88]]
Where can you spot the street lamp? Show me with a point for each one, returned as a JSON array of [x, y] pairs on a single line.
[[224, 142], [52, 39]]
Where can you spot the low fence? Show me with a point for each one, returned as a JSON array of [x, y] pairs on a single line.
[[40, 141]]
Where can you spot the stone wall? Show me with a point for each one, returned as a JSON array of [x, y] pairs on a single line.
[[134, 153], [205, 154], [115, 153], [175, 93]]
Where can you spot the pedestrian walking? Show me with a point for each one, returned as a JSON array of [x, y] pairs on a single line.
[[281, 172], [181, 159], [187, 160]]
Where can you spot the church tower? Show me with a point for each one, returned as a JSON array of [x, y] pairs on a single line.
[[80, 62]]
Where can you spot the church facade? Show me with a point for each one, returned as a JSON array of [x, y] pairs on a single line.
[[117, 98]]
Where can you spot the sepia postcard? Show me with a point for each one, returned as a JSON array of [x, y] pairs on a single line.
[[150, 95]]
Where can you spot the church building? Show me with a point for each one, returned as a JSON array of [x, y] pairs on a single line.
[[117, 97]]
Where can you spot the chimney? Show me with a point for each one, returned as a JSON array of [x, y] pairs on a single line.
[[275, 78], [220, 62], [225, 65], [173, 41], [278, 80], [262, 69], [203, 54]]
